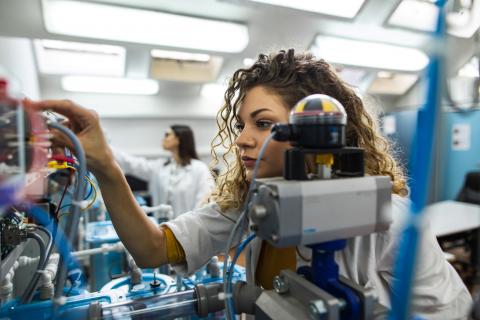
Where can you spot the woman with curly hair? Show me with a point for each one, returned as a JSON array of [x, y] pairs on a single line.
[[256, 98]]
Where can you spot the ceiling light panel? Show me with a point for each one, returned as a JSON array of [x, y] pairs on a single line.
[[353, 77], [180, 56], [470, 69], [397, 84], [213, 90], [248, 62], [62, 57], [92, 20], [109, 85], [184, 66], [369, 54], [414, 14], [338, 8]]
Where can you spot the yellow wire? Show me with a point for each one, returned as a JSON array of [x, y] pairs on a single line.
[[91, 202], [63, 214], [94, 193]]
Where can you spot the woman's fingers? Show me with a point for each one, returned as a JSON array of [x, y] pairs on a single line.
[[86, 126], [59, 139], [79, 117], [63, 107]]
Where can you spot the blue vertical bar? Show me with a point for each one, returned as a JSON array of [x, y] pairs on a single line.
[[421, 156]]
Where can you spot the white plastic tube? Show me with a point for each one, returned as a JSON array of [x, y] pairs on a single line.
[[48, 275], [105, 248], [6, 286]]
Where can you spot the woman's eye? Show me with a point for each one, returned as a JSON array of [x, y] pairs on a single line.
[[238, 127], [264, 123]]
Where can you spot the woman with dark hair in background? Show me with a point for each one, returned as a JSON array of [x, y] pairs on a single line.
[[183, 181]]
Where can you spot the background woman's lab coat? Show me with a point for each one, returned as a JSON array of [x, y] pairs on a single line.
[[185, 188]]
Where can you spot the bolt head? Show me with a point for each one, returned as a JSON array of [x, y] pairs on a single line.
[[280, 284], [318, 310]]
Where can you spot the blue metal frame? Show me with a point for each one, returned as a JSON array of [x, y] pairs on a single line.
[[422, 151], [323, 272]]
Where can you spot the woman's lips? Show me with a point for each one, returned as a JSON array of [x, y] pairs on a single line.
[[249, 162]]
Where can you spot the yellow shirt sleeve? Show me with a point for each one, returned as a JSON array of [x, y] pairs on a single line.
[[175, 253], [271, 261]]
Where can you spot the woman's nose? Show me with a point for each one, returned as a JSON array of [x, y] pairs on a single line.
[[245, 140]]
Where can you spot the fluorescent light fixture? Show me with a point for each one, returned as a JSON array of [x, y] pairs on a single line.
[[369, 54], [213, 90], [93, 20], [353, 77], [415, 14], [338, 8], [470, 69], [248, 62], [109, 85], [62, 57], [179, 55]]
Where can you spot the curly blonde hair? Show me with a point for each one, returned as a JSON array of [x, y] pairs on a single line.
[[293, 76]]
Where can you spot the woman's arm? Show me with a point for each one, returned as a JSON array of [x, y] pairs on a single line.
[[144, 240]]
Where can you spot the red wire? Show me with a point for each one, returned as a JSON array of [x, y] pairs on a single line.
[[62, 158]]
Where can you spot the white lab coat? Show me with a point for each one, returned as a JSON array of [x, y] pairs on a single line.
[[438, 291], [185, 188]]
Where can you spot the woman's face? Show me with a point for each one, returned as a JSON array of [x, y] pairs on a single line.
[[259, 111], [170, 141]]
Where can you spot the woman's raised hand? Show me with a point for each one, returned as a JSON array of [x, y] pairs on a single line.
[[86, 126]]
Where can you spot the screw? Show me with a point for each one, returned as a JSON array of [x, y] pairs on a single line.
[[318, 310], [259, 212], [280, 284], [155, 283], [274, 194]]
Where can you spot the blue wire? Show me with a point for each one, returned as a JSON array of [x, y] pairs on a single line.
[[239, 250], [89, 192]]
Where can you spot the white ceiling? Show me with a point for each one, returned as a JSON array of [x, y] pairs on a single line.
[[270, 28]]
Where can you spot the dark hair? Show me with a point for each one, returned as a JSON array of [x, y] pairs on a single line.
[[186, 145], [293, 76]]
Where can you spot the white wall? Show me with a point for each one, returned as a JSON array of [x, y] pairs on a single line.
[[144, 136], [16, 57], [137, 123]]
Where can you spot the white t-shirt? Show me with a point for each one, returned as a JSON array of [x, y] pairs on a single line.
[[438, 291], [185, 188]]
